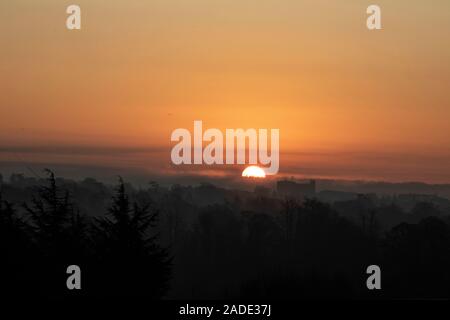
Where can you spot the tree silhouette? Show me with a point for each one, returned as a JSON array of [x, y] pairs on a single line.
[[16, 251], [59, 235], [132, 262], [417, 260], [49, 213]]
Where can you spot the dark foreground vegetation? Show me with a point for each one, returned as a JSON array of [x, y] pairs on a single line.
[[209, 243]]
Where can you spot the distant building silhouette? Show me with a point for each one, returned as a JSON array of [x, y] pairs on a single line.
[[291, 189]]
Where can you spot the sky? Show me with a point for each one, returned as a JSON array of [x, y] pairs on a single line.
[[350, 103]]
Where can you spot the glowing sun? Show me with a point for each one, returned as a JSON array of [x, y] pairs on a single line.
[[253, 172]]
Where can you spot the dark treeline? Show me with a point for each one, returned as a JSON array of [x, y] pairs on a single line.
[[116, 252], [210, 243]]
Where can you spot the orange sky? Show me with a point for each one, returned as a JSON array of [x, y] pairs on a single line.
[[349, 103]]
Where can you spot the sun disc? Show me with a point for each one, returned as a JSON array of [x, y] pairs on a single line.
[[253, 172]]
